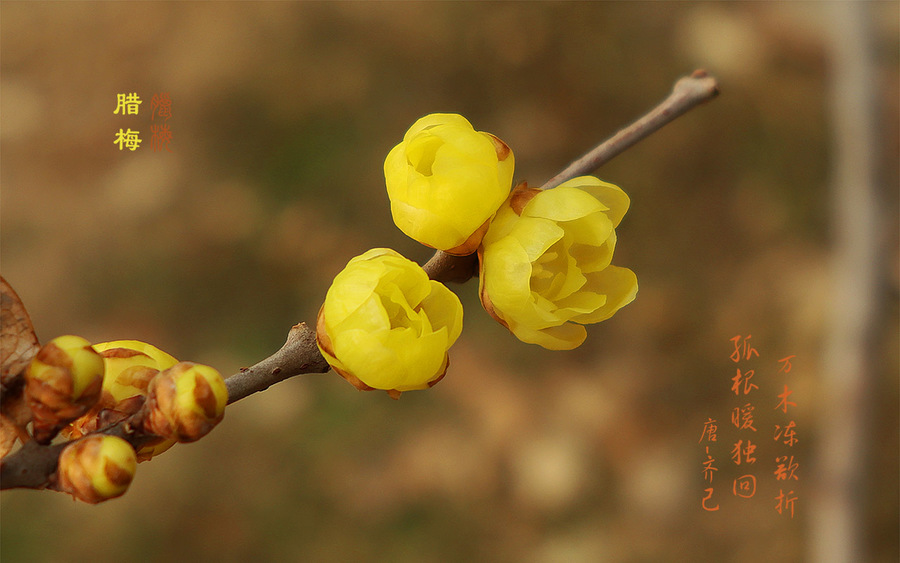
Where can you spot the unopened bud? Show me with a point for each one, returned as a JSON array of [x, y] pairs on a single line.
[[97, 468], [130, 366], [185, 402], [63, 381]]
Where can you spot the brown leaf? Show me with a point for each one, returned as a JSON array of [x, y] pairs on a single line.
[[13, 419], [18, 343], [9, 433]]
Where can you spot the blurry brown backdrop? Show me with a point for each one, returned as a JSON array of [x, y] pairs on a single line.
[[282, 114]]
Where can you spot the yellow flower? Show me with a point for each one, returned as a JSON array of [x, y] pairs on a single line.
[[130, 366], [446, 180], [385, 325], [545, 262], [97, 468]]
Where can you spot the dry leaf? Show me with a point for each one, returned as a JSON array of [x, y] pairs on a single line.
[[18, 343], [8, 435], [12, 429]]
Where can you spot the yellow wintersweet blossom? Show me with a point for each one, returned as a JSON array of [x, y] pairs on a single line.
[[545, 262], [385, 325], [445, 181]]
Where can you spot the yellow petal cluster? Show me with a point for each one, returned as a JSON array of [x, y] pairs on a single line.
[[97, 468], [445, 181], [545, 262], [385, 325]]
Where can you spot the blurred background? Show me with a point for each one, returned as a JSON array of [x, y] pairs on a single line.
[[282, 114]]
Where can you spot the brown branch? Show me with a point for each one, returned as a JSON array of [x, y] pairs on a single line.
[[688, 93], [34, 466], [447, 268], [299, 355]]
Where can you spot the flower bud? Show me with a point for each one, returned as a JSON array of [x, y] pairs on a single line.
[[545, 262], [130, 365], [445, 181], [62, 382], [185, 402], [97, 468], [385, 325]]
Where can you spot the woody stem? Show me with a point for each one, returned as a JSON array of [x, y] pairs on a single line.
[[299, 355], [688, 93]]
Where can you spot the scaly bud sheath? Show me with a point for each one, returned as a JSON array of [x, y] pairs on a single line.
[[130, 366], [96, 468], [62, 382], [185, 402]]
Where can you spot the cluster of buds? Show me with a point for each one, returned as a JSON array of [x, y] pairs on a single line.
[[130, 367], [544, 259], [79, 391]]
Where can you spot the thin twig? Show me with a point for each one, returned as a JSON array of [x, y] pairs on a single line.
[[688, 93], [298, 356], [447, 268]]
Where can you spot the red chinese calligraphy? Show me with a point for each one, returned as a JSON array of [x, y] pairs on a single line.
[[161, 137], [786, 468], [790, 437], [709, 494], [742, 417], [743, 450], [742, 348], [160, 105], [744, 486], [709, 430], [745, 379], [708, 468], [785, 502], [784, 403], [786, 363]]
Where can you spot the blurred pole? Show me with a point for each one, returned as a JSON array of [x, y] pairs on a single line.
[[841, 460]]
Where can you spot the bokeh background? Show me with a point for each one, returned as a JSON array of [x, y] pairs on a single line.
[[282, 114]]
